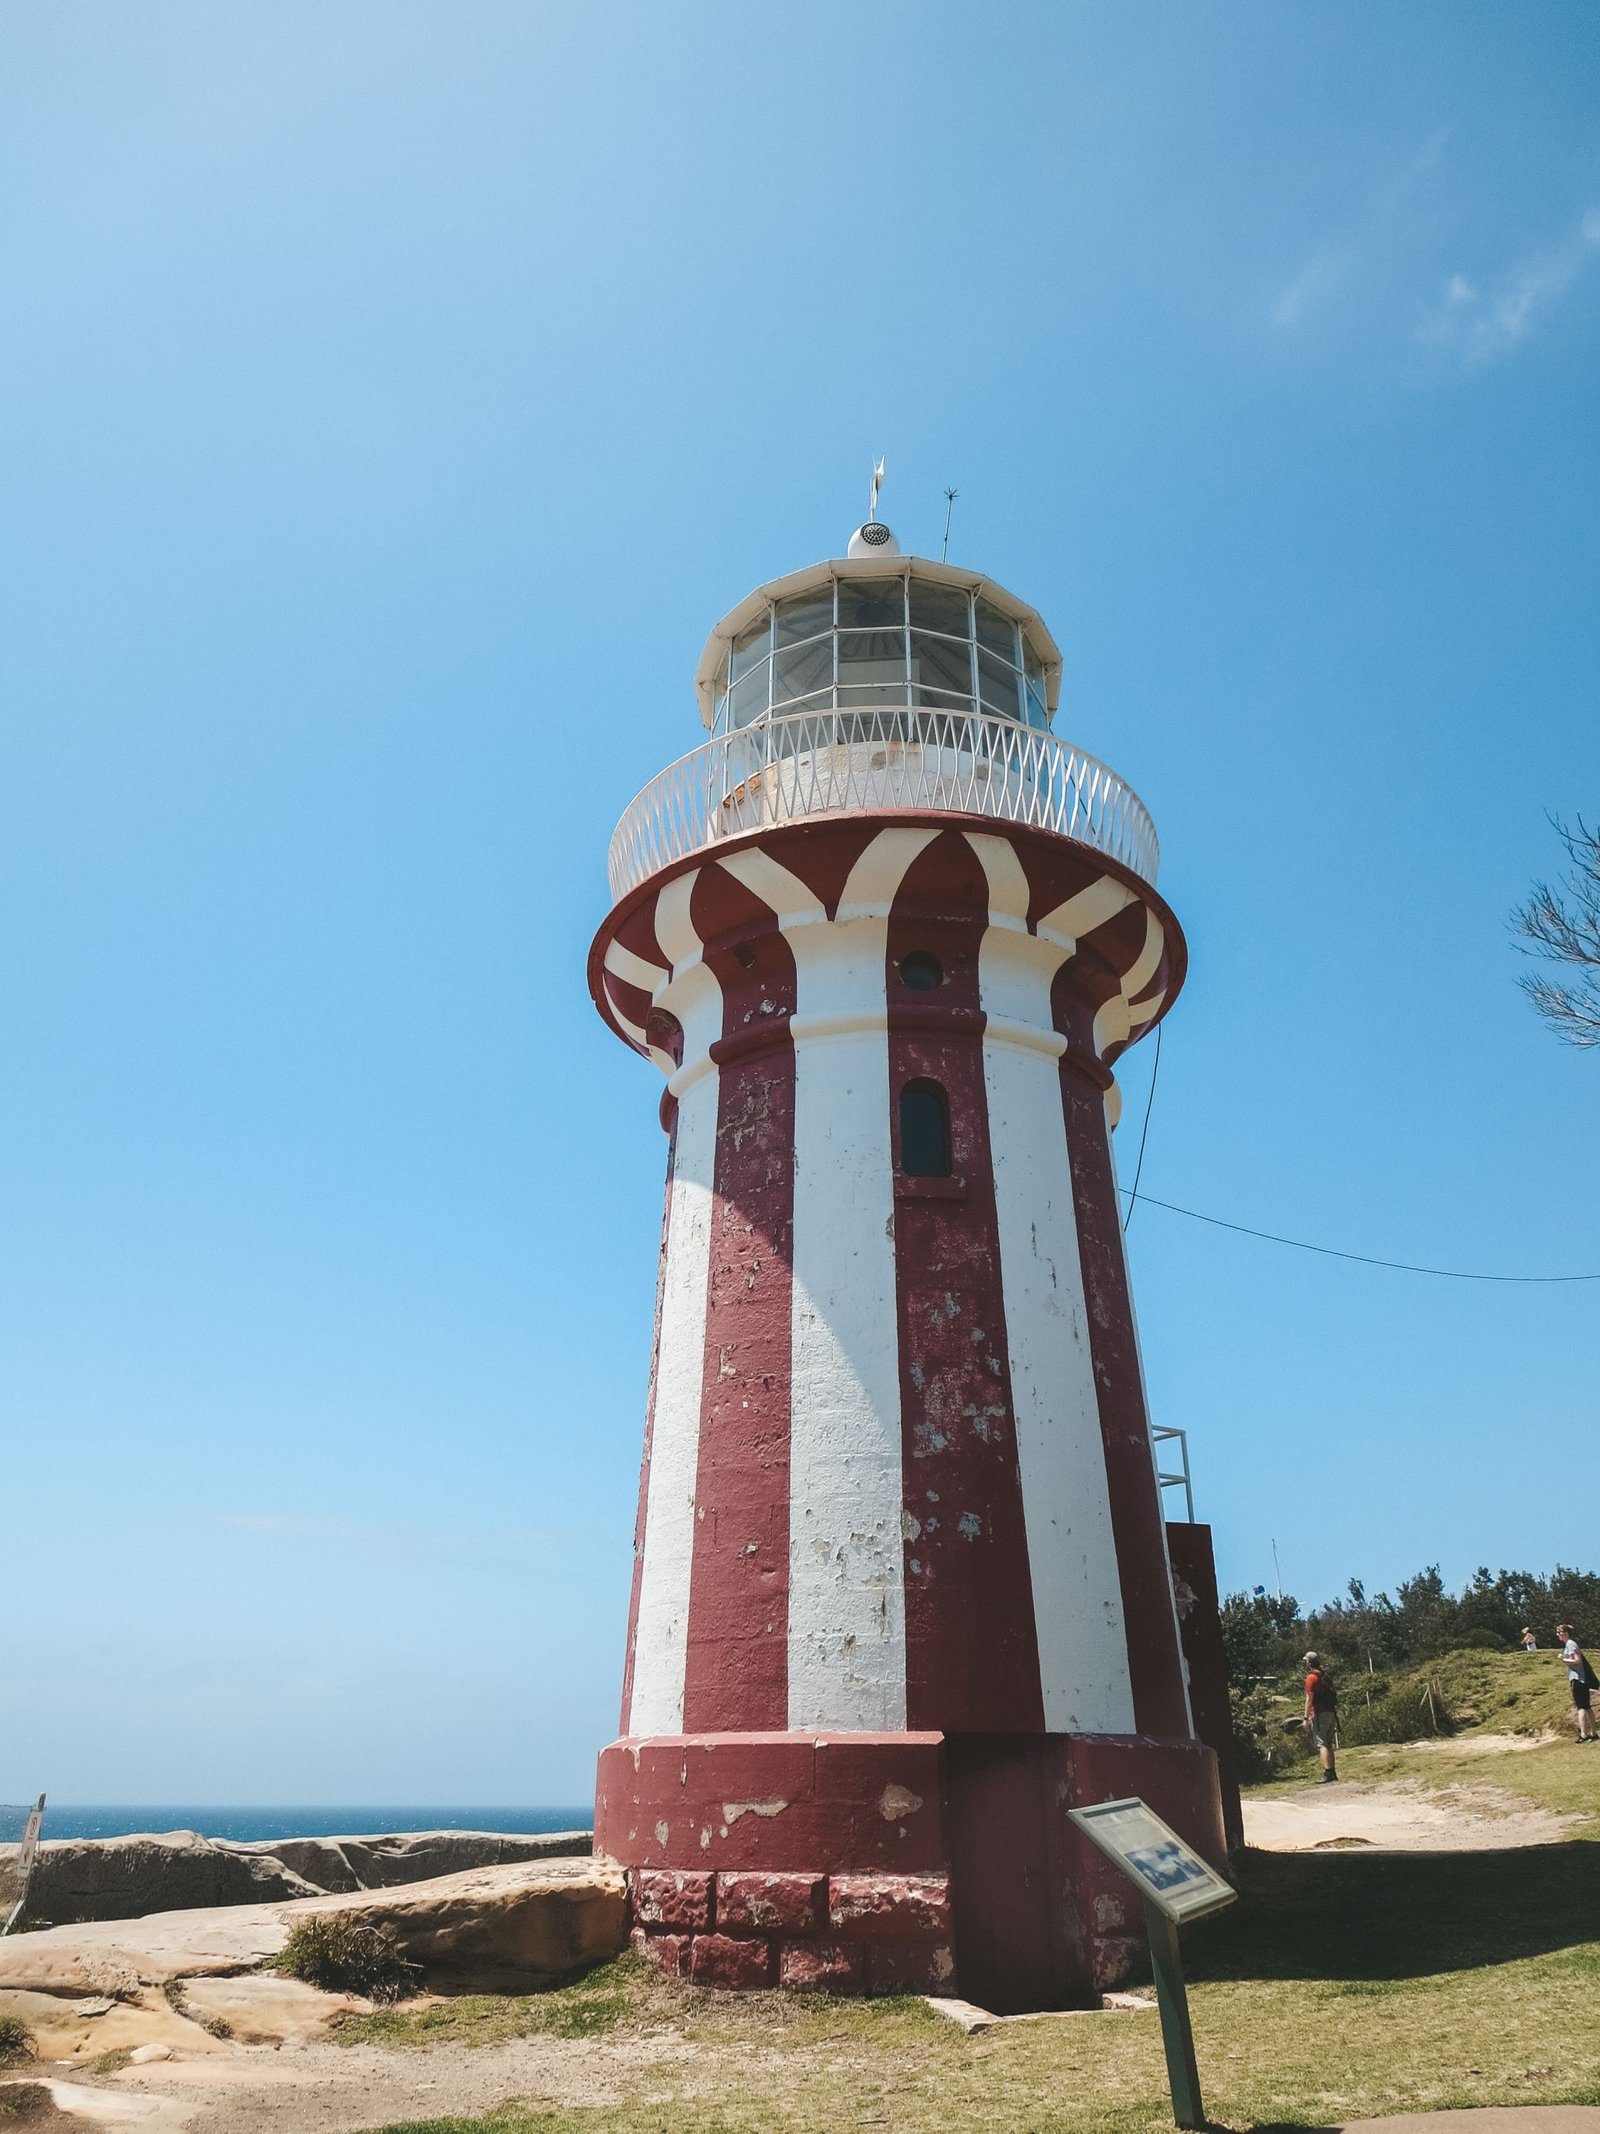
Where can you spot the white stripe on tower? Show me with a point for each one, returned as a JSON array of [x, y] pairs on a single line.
[[1083, 1648], [692, 994], [847, 1638]]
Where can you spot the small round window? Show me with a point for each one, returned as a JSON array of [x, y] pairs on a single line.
[[921, 971]]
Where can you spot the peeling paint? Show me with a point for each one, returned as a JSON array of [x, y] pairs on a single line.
[[732, 1810]]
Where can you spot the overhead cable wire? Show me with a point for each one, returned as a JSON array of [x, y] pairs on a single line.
[[1150, 1098], [1332, 1252]]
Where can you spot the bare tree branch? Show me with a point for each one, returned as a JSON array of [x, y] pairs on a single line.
[[1561, 924]]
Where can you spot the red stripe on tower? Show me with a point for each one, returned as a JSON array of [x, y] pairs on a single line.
[[737, 1662], [972, 1658]]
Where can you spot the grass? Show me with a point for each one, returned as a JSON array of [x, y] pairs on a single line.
[[1342, 1986], [627, 1992], [1485, 1693]]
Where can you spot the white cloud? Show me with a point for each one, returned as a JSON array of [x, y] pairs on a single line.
[[1482, 324]]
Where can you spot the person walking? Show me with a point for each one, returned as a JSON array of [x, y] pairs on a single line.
[[1581, 1680], [1322, 1715], [1529, 1642]]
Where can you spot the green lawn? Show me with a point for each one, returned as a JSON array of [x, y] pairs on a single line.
[[1342, 1986]]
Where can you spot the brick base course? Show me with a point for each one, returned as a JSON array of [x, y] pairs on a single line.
[[810, 1933]]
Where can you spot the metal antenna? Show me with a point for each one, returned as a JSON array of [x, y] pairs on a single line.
[[872, 494], [950, 496]]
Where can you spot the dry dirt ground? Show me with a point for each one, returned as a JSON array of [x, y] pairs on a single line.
[[1402, 1818]]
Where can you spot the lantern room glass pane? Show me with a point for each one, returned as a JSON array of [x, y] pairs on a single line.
[[872, 655], [872, 603], [940, 607], [801, 669], [997, 685], [998, 632], [752, 643], [942, 664], [806, 615], [749, 698]]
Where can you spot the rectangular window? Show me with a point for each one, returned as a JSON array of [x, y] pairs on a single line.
[[872, 603], [752, 643], [749, 696], [806, 615], [997, 631], [940, 607], [801, 669], [872, 656], [997, 685], [941, 664]]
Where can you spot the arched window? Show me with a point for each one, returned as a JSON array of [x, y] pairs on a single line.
[[924, 1131]]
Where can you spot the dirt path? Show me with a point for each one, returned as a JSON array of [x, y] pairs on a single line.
[[333, 2089], [1401, 1817]]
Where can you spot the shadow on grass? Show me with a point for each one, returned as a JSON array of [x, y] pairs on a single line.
[[1376, 1916]]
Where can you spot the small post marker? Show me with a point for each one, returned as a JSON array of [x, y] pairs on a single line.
[[1176, 1885]]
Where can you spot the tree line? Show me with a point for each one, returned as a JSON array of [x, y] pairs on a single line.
[[1266, 1634]]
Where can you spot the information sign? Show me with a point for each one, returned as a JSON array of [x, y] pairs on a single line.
[[1176, 1885], [1166, 1871]]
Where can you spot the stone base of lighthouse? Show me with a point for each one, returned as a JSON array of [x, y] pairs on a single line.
[[891, 1863]]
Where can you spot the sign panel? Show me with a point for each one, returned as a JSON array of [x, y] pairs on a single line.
[[1166, 1871]]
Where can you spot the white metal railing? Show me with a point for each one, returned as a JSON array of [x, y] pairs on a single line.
[[1179, 1477], [882, 758]]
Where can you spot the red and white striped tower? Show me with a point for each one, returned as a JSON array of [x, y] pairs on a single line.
[[901, 1593]]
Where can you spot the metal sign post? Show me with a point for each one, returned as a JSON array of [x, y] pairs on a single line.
[[1176, 1885]]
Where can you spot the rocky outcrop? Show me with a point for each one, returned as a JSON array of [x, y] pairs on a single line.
[[495, 1929], [177, 1870]]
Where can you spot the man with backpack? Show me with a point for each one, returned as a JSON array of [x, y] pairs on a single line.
[[1322, 1714], [1580, 1679]]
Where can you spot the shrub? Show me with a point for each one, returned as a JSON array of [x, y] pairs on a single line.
[[16, 2041], [25, 2100], [1409, 1713], [344, 1955]]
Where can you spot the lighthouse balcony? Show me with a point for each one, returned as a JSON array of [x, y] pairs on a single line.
[[879, 759]]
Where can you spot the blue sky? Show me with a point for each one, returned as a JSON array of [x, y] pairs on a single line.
[[392, 398]]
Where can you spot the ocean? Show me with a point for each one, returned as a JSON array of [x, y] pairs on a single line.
[[245, 1824]]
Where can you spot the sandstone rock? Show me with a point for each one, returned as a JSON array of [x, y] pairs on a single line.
[[496, 1929], [264, 2008], [130, 1877], [122, 1878], [62, 2032], [499, 1929], [143, 2055]]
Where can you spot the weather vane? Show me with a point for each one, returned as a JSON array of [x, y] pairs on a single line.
[[872, 494]]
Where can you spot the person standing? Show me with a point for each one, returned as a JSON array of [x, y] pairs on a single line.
[[1529, 1642], [1580, 1680], [1322, 1715]]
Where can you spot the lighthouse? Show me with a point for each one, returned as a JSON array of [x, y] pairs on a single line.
[[902, 1592]]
